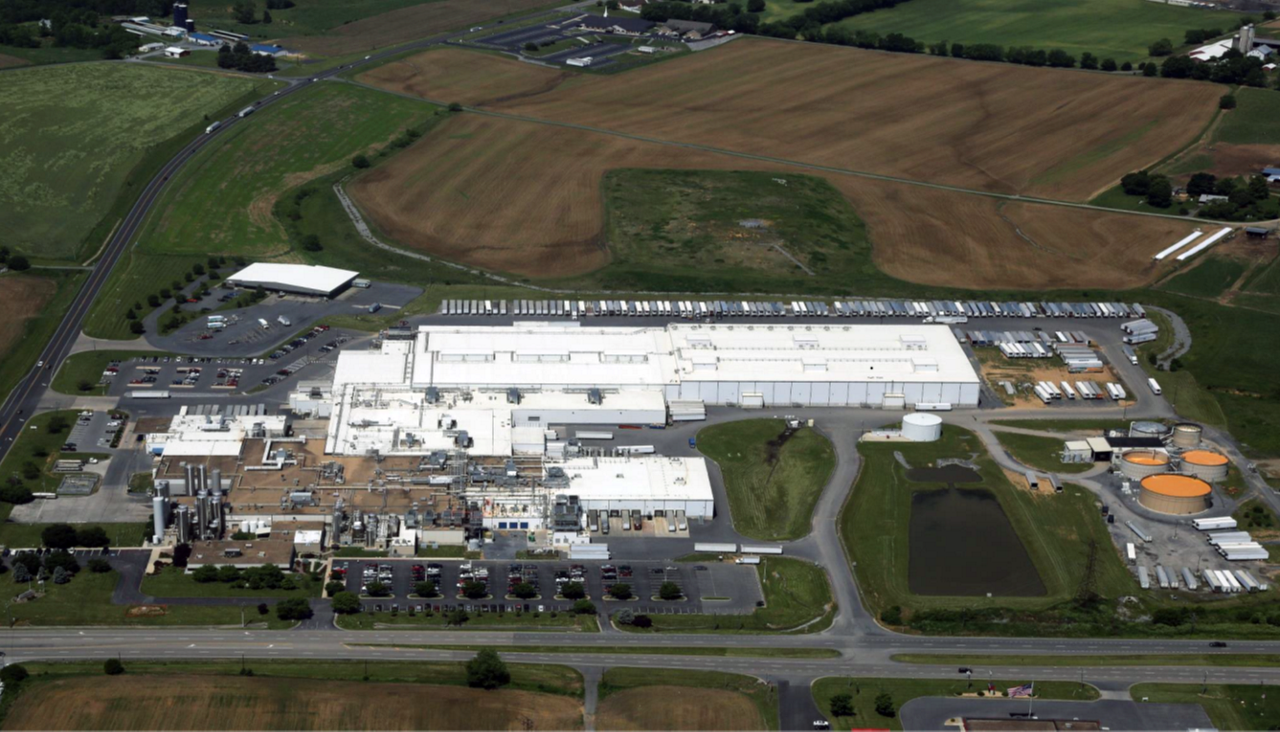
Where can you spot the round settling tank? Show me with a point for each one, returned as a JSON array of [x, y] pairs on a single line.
[[1148, 429], [1138, 464], [1186, 435], [1209, 465], [922, 427], [1177, 495]]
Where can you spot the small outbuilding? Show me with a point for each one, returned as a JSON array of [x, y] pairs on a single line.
[[176, 52]]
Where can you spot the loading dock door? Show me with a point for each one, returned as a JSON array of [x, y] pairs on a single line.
[[752, 400]]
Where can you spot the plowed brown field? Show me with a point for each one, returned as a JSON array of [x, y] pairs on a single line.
[[525, 198], [992, 127], [450, 75], [21, 298], [234, 703], [677, 708], [409, 24]]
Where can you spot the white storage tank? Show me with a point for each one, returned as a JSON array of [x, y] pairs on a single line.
[[922, 427], [1209, 465], [1148, 429], [1138, 464], [1186, 435]]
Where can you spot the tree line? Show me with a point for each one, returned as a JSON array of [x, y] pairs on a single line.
[[241, 58], [75, 23]]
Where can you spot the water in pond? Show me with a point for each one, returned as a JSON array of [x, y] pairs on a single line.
[[961, 543]]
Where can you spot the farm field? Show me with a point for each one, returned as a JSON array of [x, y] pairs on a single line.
[[22, 299], [191, 702], [73, 133], [668, 699], [237, 182], [1252, 122], [991, 127], [772, 487], [475, 79], [305, 18], [529, 199], [1118, 29], [1210, 278], [408, 24]]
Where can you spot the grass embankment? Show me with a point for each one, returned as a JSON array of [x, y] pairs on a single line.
[[92, 124], [34, 305], [175, 582], [1056, 531], [1086, 426], [634, 698], [565, 622], [87, 367], [865, 690], [773, 478], [639, 651], [1180, 387], [86, 600], [1229, 706], [1041, 453], [1205, 659], [155, 695], [797, 599]]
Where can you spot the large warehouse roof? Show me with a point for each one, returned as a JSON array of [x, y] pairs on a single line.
[[293, 277], [643, 478], [559, 355]]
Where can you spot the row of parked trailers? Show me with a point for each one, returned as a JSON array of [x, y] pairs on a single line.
[[936, 309], [1049, 391], [1218, 580]]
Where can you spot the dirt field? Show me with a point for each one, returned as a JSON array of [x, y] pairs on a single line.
[[234, 703], [526, 198], [677, 708], [408, 24], [475, 79], [993, 127], [21, 298]]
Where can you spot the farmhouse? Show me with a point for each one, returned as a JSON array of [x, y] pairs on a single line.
[[692, 30], [294, 278], [616, 26]]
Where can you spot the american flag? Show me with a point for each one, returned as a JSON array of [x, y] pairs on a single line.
[[1024, 690]]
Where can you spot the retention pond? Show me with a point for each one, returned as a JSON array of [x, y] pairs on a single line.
[[962, 543]]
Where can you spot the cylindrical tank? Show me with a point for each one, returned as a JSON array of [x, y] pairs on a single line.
[[204, 479], [1186, 435], [216, 485], [1148, 429], [159, 516], [1177, 495], [162, 488], [922, 427], [1209, 465], [202, 512], [215, 515], [190, 471], [1138, 464]]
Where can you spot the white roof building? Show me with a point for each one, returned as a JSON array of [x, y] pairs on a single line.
[[212, 435], [647, 484], [294, 278]]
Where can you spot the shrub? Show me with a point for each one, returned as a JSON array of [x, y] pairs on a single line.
[[99, 566], [13, 674], [621, 591], [360, 161], [377, 589], [642, 621], [584, 607], [58, 536], [842, 705], [333, 587], [573, 591], [295, 608], [670, 591], [346, 603], [113, 667], [1227, 101], [425, 589], [884, 705], [487, 670]]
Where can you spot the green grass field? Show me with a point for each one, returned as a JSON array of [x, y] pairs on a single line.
[[1041, 453], [1118, 29], [236, 182], [865, 690], [136, 275], [37, 446], [797, 599], [1236, 706], [772, 490], [1210, 278], [73, 133], [1055, 529], [1234, 660], [682, 230], [763, 696], [1064, 425], [174, 582], [1183, 390], [20, 355], [1253, 121], [28, 536]]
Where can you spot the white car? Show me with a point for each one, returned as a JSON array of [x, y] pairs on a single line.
[[39, 364]]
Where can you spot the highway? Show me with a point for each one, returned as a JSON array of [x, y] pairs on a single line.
[[866, 649]]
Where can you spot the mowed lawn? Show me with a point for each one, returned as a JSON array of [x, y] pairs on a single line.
[[222, 201], [1041, 453], [195, 702], [672, 699], [773, 482], [1118, 29], [70, 135]]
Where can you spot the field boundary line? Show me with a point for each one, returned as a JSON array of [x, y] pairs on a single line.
[[1015, 197]]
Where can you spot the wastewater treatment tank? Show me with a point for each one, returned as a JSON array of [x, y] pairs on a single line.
[[1209, 465], [1186, 435], [1138, 464], [1176, 495], [922, 427], [1148, 429]]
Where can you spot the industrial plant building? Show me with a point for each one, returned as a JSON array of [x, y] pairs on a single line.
[[296, 279]]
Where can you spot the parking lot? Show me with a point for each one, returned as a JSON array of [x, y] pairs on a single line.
[[736, 588], [92, 432]]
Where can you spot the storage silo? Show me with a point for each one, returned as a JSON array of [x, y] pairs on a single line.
[[1138, 464], [159, 516], [1177, 495], [1186, 435], [1209, 465], [182, 521], [922, 427], [1148, 429]]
